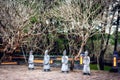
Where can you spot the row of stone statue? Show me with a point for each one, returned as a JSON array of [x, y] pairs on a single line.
[[64, 68]]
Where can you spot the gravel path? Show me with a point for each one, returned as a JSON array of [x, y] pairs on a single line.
[[18, 72]]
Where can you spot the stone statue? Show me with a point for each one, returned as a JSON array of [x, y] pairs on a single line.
[[46, 65], [31, 61], [64, 62], [86, 62]]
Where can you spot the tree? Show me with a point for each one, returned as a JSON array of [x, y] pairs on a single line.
[[109, 19], [85, 19], [23, 23]]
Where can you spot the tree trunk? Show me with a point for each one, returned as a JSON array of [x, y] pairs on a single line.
[[72, 64], [102, 52], [72, 61], [80, 50], [101, 60], [67, 48], [116, 34], [92, 49]]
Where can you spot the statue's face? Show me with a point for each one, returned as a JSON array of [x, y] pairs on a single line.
[[31, 52], [46, 52], [86, 53], [64, 53]]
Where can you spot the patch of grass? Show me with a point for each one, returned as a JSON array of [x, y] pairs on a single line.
[[94, 67], [107, 68]]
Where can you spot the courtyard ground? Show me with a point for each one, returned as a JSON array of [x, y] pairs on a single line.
[[21, 72]]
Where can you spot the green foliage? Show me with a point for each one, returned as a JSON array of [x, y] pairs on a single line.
[[51, 36], [118, 37], [112, 38], [33, 19], [60, 43], [25, 30], [26, 2], [96, 37]]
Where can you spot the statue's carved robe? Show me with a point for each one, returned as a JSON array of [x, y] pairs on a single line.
[[31, 62], [86, 62], [64, 64], [46, 62]]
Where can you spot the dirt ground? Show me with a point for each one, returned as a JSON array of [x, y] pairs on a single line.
[[21, 72]]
